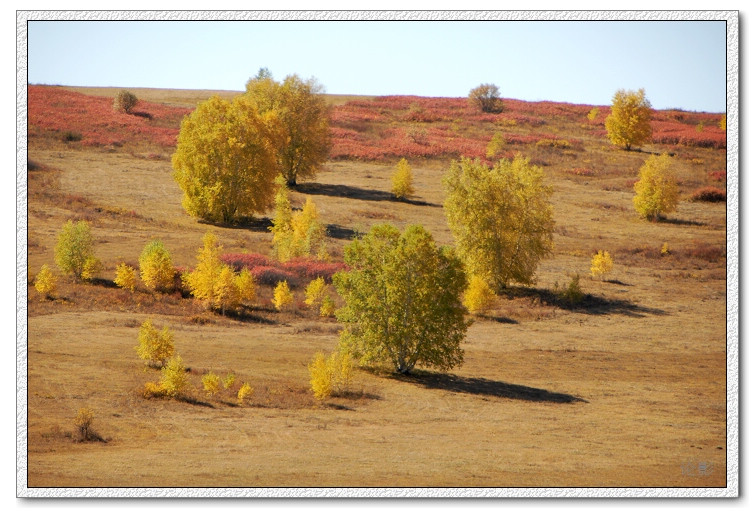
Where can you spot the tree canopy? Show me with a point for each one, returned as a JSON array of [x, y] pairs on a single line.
[[402, 300], [629, 121], [501, 218], [303, 112], [486, 97], [225, 161]]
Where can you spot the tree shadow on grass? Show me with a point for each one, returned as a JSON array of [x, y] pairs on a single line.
[[485, 387], [681, 222], [590, 304], [248, 223], [357, 193], [339, 232]]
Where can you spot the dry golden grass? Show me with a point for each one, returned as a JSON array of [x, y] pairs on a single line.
[[627, 389]]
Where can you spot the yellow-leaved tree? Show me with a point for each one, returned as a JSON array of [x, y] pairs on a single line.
[[657, 189], [125, 277], [478, 297], [156, 266], [216, 283], [401, 181], [282, 296], [501, 218], [225, 160], [155, 347], [629, 121], [303, 114], [601, 264], [45, 282], [74, 252], [296, 234]]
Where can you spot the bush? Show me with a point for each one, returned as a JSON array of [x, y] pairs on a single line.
[[572, 292], [282, 296], [602, 264], [244, 392], [315, 291], [401, 181], [478, 296], [92, 268], [496, 146], [593, 114], [125, 277], [156, 267], [330, 376], [45, 282], [75, 249], [83, 424], [124, 101], [211, 383], [173, 380], [709, 194], [328, 307], [154, 347]]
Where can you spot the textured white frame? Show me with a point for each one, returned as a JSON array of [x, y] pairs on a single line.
[[732, 255]]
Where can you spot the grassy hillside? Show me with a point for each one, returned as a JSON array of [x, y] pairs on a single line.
[[627, 388]]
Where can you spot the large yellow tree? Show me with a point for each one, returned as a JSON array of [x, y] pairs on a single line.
[[501, 218], [303, 111], [226, 161], [629, 121]]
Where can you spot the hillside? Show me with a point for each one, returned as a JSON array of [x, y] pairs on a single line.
[[627, 388]]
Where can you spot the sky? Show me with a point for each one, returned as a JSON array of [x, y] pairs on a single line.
[[680, 64]]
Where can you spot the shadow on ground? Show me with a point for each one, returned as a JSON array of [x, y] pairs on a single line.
[[356, 193], [485, 387], [590, 304]]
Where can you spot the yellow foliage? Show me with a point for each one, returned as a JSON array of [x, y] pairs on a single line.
[[501, 218], [303, 143], [722, 122], [295, 234], [74, 247], [665, 250], [657, 189], [629, 122], [315, 292], [602, 264], [328, 307], [125, 277], [229, 380], [92, 267], [173, 379], [330, 375], [154, 347], [282, 296], [152, 389], [402, 180], [225, 160], [216, 283], [244, 392], [45, 282], [478, 296], [495, 146], [593, 114], [156, 267], [211, 383]]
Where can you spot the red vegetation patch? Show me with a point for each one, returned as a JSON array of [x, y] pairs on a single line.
[[688, 129], [718, 176], [269, 272], [92, 120], [709, 194]]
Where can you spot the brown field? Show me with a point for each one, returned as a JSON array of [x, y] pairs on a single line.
[[627, 389]]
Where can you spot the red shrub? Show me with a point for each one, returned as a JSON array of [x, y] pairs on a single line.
[[271, 276], [311, 269], [718, 176], [249, 261], [709, 194]]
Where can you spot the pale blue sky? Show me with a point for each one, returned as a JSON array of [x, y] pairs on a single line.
[[678, 63]]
